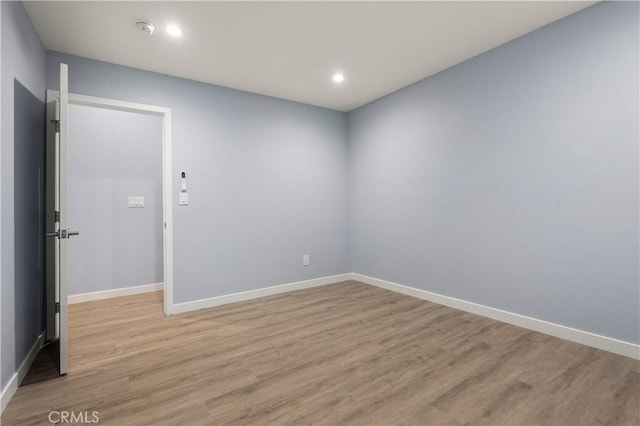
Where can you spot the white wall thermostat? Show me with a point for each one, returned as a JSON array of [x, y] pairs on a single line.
[[184, 195]]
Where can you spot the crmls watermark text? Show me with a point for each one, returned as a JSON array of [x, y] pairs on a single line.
[[73, 417]]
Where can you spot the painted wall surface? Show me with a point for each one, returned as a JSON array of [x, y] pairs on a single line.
[[267, 179], [23, 59], [113, 155], [511, 180], [29, 174]]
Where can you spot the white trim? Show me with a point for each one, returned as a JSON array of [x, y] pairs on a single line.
[[179, 308], [167, 211], [116, 292], [17, 378], [167, 173], [113, 104], [620, 347], [118, 105]]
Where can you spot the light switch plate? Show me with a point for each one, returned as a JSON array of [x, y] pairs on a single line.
[[135, 201], [184, 198]]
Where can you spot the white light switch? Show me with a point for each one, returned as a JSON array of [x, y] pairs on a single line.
[[305, 260], [136, 201], [184, 198]]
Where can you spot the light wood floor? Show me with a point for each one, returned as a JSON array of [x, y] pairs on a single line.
[[346, 353]]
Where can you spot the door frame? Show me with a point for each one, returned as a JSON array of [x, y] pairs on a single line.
[[167, 173]]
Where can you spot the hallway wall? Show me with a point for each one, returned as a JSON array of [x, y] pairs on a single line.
[[23, 61]]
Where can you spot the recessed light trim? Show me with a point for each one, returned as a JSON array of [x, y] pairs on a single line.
[[174, 31], [338, 77]]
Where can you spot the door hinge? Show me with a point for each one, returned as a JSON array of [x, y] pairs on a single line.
[[56, 123], [57, 307], [56, 216]]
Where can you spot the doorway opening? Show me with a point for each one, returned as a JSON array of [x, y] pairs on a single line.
[[118, 183], [114, 202]]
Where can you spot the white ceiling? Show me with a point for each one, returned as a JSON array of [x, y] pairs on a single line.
[[291, 49]]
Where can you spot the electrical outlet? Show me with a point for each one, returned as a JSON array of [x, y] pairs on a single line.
[[305, 260]]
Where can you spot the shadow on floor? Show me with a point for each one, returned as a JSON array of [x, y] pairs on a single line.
[[45, 366]]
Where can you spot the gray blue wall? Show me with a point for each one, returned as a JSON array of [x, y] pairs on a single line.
[[23, 59], [267, 179], [29, 213], [511, 180], [114, 155]]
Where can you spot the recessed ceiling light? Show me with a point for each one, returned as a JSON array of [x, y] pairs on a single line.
[[174, 31], [338, 77]]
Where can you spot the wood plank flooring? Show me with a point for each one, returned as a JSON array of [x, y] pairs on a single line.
[[342, 354]]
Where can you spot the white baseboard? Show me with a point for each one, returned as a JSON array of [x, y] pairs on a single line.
[[620, 347], [117, 292], [179, 308], [579, 336], [17, 378]]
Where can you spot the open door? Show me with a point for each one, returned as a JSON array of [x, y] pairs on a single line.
[[58, 232]]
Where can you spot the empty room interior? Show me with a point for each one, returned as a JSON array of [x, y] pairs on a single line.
[[320, 212]]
